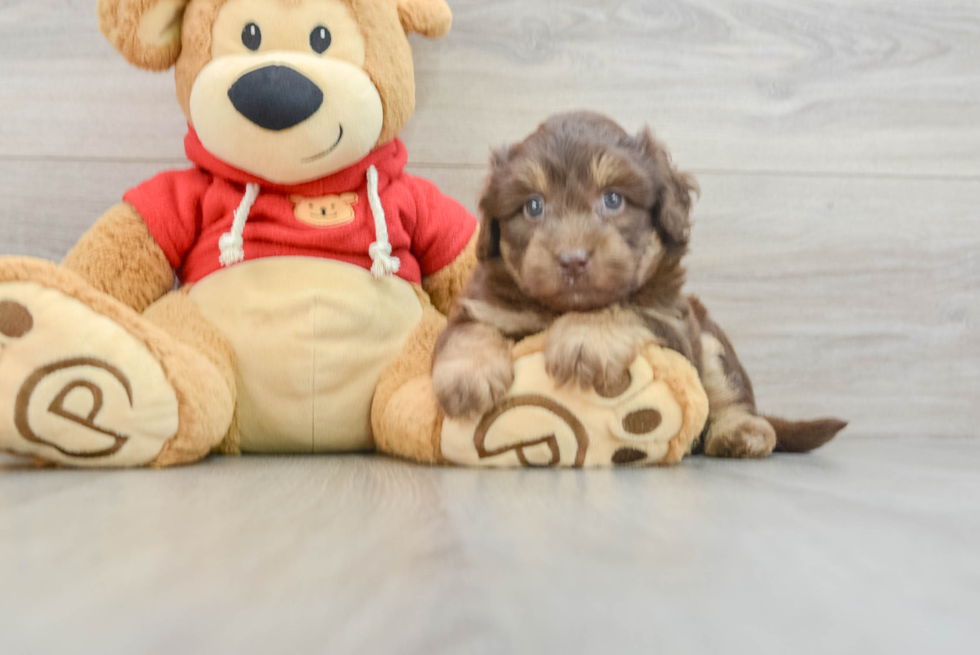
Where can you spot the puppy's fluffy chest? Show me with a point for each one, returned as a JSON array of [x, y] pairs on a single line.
[[517, 322]]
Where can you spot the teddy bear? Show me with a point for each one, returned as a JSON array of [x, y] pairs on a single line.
[[284, 294]]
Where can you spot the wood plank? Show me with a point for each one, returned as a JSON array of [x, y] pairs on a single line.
[[844, 296], [857, 548], [48, 205], [859, 86]]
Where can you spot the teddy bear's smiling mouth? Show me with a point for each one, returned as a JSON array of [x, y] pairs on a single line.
[[316, 157]]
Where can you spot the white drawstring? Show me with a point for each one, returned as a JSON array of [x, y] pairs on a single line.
[[231, 244], [383, 263]]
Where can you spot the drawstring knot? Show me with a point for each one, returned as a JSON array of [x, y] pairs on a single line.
[[383, 264], [232, 244]]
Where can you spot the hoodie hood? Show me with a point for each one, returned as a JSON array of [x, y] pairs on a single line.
[[389, 160]]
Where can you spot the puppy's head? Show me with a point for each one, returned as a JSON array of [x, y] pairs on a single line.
[[582, 214]]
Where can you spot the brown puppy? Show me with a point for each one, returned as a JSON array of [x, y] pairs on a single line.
[[583, 232]]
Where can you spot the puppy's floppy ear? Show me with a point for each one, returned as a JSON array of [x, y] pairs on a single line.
[[488, 244], [146, 32], [672, 212], [430, 18]]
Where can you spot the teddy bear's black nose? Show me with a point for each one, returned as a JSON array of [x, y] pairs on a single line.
[[275, 97]]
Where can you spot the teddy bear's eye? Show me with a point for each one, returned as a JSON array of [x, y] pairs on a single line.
[[252, 36], [320, 39]]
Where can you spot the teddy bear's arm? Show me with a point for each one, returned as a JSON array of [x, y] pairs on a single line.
[[118, 256], [446, 285]]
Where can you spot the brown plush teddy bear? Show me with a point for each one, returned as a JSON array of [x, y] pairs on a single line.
[[313, 273]]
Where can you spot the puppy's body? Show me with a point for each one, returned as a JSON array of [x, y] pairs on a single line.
[[583, 231]]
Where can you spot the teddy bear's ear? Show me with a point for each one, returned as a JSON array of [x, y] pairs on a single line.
[[146, 32], [430, 18]]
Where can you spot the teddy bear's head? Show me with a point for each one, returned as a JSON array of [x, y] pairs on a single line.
[[287, 90]]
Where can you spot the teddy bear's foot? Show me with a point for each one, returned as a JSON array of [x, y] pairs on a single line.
[[87, 382], [651, 419]]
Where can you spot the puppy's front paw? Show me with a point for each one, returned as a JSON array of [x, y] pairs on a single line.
[[472, 370], [593, 350], [469, 387]]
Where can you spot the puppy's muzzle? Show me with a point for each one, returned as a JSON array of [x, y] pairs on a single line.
[[275, 97], [574, 263]]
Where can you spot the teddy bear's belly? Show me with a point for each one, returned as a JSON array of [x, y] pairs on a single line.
[[312, 337]]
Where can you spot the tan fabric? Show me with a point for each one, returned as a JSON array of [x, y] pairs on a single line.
[[204, 404], [430, 18], [122, 22], [388, 55], [159, 26], [181, 318], [653, 422], [406, 418], [120, 257], [341, 132], [384, 23], [346, 126], [446, 285], [312, 337], [88, 395], [389, 62]]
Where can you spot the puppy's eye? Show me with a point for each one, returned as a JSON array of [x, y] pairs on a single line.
[[534, 208], [252, 36], [320, 39], [612, 201]]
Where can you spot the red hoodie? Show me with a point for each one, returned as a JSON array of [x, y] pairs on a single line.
[[188, 211]]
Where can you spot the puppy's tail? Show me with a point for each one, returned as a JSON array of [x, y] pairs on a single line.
[[804, 436]]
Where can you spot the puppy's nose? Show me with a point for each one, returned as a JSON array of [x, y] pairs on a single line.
[[574, 262], [275, 97], [15, 320]]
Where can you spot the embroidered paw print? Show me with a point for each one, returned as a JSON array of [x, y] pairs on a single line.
[[325, 211]]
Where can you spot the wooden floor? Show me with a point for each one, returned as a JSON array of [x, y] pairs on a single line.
[[837, 143], [865, 547]]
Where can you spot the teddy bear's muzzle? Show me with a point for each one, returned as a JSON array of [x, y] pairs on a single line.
[[275, 97]]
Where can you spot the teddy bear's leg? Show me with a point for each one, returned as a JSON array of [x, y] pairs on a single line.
[[86, 381], [209, 405], [406, 419], [653, 420]]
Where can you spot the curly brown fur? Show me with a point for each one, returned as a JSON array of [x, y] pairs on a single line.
[[583, 231]]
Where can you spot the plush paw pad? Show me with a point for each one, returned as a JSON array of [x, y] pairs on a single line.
[[541, 424], [75, 387]]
